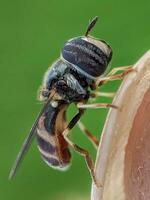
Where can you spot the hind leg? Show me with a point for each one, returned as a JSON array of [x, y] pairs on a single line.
[[78, 149], [90, 136]]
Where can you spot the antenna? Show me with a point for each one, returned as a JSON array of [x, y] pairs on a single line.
[[91, 26]]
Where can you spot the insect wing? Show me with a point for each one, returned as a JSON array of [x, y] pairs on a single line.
[[26, 144]]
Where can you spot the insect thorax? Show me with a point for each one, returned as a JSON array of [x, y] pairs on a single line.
[[70, 84]]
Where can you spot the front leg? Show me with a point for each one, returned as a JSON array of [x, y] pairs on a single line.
[[116, 69], [111, 76]]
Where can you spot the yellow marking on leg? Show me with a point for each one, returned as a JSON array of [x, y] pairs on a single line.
[[102, 94], [111, 76], [116, 69], [84, 153], [90, 136], [96, 105]]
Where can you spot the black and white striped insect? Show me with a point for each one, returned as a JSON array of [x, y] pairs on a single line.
[[71, 79]]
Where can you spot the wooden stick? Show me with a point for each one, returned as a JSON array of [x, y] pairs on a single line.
[[123, 157]]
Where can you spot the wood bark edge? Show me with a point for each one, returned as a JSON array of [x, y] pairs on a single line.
[[124, 151]]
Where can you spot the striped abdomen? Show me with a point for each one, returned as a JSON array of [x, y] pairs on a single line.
[[51, 144]]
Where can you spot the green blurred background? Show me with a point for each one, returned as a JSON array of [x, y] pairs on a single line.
[[31, 36]]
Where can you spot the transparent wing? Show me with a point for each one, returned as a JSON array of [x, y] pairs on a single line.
[[26, 144]]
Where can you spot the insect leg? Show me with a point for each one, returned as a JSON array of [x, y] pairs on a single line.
[[78, 149], [116, 69], [111, 76], [102, 94], [90, 136], [96, 105]]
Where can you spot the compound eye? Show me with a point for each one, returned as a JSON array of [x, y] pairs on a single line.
[[87, 55]]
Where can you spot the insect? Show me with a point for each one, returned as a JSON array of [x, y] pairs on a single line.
[[73, 78]]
